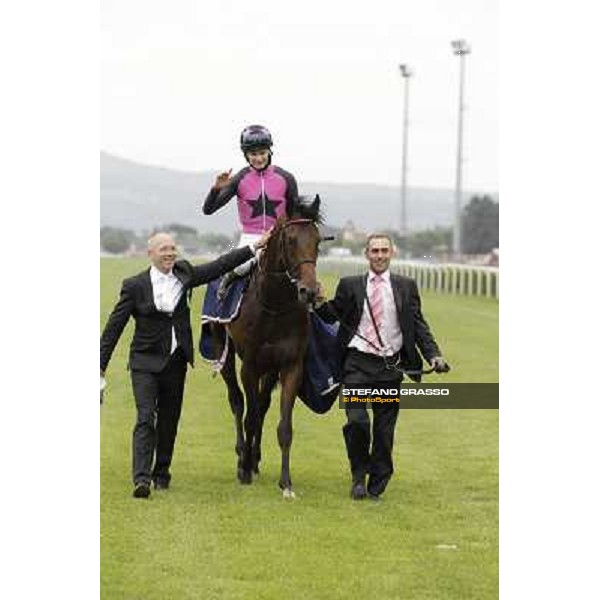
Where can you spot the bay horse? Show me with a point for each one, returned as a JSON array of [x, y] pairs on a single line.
[[270, 336]]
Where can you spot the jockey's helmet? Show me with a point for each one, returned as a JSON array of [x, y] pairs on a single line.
[[255, 137]]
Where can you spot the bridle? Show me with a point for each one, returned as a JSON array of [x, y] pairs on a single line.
[[289, 271], [292, 272]]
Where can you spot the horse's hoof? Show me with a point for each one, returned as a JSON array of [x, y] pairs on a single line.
[[244, 477], [288, 494]]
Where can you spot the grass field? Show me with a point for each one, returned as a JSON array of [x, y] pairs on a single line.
[[434, 535]]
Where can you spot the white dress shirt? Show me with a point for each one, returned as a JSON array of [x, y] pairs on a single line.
[[167, 290], [389, 329]]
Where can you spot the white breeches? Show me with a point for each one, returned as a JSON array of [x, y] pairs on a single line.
[[247, 239]]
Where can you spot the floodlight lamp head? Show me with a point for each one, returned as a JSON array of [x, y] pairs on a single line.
[[460, 47], [406, 71]]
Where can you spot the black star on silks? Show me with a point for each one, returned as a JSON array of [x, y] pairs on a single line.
[[266, 207]]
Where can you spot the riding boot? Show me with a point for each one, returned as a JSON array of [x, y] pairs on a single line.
[[358, 441], [226, 281]]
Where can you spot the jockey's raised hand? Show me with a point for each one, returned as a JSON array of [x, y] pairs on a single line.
[[222, 180]]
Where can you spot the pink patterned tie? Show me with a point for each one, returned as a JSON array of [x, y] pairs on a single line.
[[376, 300]]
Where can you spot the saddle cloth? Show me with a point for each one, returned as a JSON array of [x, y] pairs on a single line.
[[322, 362]]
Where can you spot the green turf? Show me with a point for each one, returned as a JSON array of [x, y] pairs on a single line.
[[434, 536]]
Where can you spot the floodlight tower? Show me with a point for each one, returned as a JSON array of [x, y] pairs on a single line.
[[406, 73], [461, 48]]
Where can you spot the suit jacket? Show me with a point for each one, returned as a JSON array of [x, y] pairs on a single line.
[[151, 345], [347, 307]]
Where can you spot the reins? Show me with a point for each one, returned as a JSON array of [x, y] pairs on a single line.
[[289, 272]]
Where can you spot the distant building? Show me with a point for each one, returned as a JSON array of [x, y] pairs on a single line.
[[135, 250], [351, 234], [339, 252], [493, 259]]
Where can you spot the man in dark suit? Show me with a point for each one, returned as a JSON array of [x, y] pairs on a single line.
[[381, 325], [162, 346]]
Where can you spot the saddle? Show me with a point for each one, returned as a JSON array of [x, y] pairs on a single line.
[[322, 362]]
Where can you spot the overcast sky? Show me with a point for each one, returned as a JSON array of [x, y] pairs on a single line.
[[180, 79]]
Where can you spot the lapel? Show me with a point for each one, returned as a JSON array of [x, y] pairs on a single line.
[[148, 291], [182, 270], [361, 293], [396, 288], [146, 282]]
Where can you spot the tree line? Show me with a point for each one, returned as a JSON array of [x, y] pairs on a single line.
[[479, 228], [117, 240]]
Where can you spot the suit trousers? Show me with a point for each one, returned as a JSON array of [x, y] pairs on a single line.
[[370, 454], [158, 399]]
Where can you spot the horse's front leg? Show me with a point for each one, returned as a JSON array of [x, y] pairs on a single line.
[[267, 384], [291, 379], [250, 381]]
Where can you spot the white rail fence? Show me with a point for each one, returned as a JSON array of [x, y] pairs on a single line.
[[445, 278]]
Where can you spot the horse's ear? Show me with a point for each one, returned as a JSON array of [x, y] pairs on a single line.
[[316, 203]]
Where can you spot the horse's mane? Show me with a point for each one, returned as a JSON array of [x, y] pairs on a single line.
[[305, 208]]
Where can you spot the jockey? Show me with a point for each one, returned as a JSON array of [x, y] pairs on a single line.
[[264, 193]]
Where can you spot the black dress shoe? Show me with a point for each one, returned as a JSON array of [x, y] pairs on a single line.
[[141, 490], [161, 484], [358, 491], [374, 497]]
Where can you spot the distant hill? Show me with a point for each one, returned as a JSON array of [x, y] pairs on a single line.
[[136, 196]]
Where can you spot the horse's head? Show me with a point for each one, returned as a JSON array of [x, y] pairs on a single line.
[[294, 247]]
